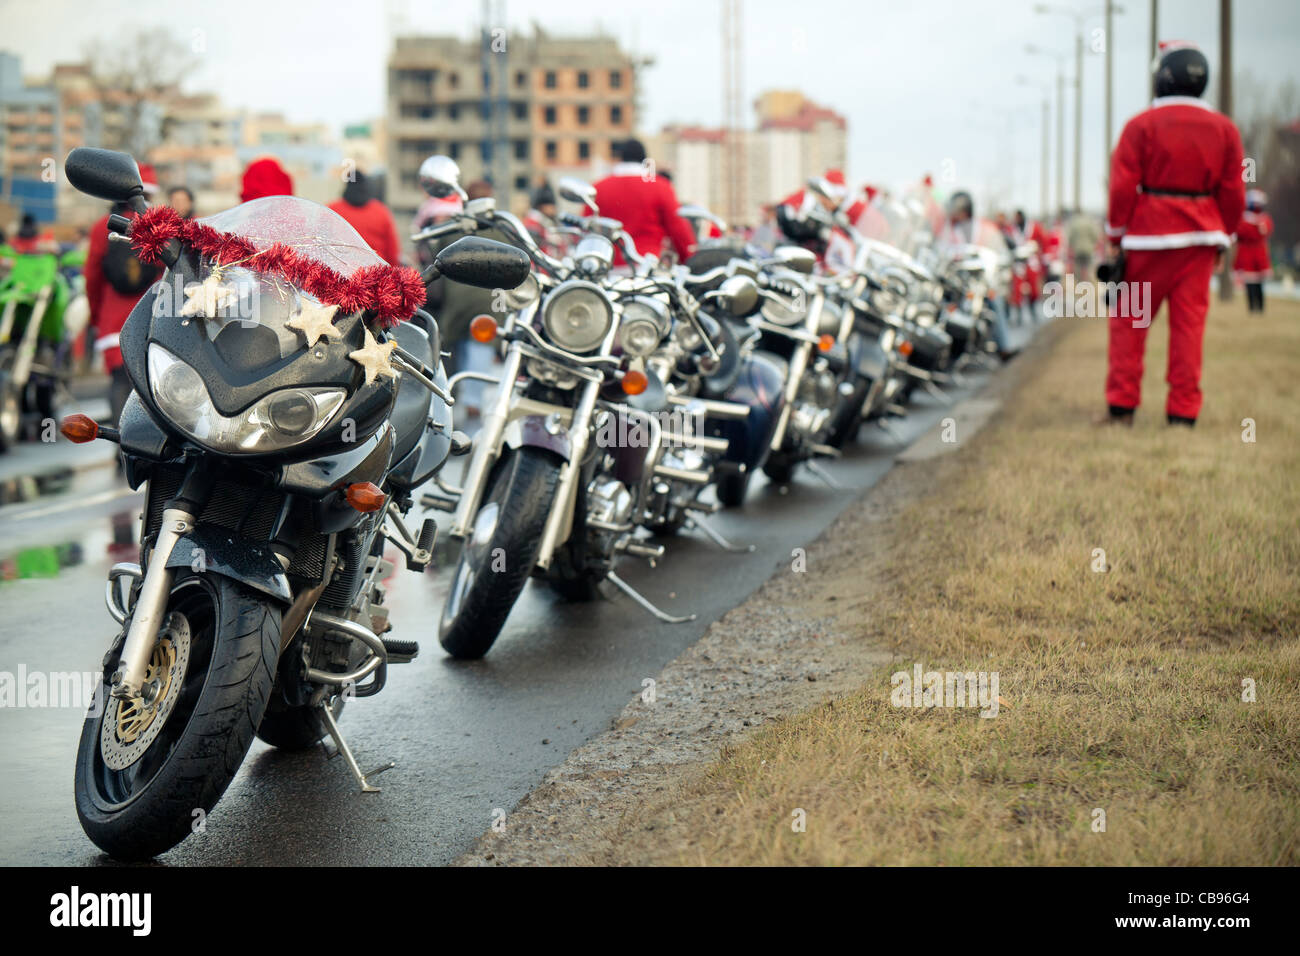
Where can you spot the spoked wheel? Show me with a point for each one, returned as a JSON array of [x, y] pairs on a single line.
[[499, 553], [144, 768]]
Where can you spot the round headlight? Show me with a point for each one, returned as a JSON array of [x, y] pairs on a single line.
[[181, 391], [524, 294], [292, 411], [577, 316], [645, 322]]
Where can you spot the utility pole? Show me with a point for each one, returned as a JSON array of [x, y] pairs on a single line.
[[1060, 137], [1105, 165], [1225, 107], [733, 164], [1078, 116], [1043, 176], [1155, 29]]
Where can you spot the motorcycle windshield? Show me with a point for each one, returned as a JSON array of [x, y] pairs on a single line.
[[243, 299]]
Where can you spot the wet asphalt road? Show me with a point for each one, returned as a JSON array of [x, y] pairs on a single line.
[[467, 737]]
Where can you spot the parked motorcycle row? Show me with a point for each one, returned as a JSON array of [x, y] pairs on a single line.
[[281, 456]]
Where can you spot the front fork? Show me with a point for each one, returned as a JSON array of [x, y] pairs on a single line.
[[150, 609], [489, 439]]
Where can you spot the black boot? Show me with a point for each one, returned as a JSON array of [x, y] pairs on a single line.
[[1180, 420], [1116, 415]]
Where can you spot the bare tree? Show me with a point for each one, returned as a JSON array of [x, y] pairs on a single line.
[[133, 75]]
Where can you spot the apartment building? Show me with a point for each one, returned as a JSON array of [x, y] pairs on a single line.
[[557, 104], [793, 138]]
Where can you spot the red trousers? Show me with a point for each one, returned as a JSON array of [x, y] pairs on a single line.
[[1151, 277]]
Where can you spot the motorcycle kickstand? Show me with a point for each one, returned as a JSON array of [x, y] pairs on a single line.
[[692, 521], [889, 429], [824, 475], [636, 596], [936, 391], [327, 715]]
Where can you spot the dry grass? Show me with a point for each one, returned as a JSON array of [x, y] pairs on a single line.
[[1124, 687]]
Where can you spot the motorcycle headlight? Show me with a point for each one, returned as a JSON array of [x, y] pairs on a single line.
[[524, 294], [645, 323], [282, 419], [577, 315]]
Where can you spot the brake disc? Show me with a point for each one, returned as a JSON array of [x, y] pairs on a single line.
[[130, 726]]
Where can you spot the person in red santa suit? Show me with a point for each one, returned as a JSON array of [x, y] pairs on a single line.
[[1036, 268], [644, 203], [1176, 195], [797, 217], [370, 218], [1252, 266], [115, 281]]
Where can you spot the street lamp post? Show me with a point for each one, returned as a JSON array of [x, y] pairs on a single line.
[[1044, 176], [1060, 120]]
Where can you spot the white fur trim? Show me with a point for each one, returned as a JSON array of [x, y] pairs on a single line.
[[106, 342], [1114, 231], [1180, 101], [1176, 240]]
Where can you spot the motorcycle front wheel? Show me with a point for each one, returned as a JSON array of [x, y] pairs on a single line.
[[148, 775], [499, 553]]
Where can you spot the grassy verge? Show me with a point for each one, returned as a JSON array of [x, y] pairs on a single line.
[[1122, 688]]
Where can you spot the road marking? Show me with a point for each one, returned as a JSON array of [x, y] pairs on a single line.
[[78, 502]]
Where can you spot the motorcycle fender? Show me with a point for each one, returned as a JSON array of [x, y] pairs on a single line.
[[214, 550], [531, 431], [872, 363]]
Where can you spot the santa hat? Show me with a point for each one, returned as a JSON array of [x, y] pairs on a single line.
[[871, 192], [838, 186], [265, 177], [149, 178]]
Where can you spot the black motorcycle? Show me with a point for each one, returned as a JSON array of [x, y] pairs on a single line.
[[279, 439]]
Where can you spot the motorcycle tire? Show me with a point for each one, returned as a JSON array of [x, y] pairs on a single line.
[[779, 469], [216, 672], [295, 727], [848, 418], [11, 413], [731, 489], [510, 522]]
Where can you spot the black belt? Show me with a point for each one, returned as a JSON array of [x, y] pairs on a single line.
[[1176, 194]]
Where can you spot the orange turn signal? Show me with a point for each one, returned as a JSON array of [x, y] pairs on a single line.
[[634, 382], [905, 348], [365, 497], [826, 342], [483, 329], [80, 428]]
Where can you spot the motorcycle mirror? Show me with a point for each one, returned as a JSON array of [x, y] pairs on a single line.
[[485, 263], [104, 174], [693, 214], [738, 295], [818, 185], [797, 258], [576, 190], [440, 178]]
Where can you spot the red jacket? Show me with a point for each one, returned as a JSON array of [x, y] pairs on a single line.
[[375, 223], [1179, 145], [647, 208], [1252, 263], [108, 307]]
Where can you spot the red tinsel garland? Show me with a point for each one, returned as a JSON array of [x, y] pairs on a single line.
[[393, 293]]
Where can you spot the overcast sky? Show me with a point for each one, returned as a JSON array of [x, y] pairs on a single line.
[[927, 85]]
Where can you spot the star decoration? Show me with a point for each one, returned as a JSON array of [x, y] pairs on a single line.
[[375, 358], [208, 297], [315, 321]]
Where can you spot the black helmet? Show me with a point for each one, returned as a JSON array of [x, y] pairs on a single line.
[[959, 202], [1181, 70], [543, 195]]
